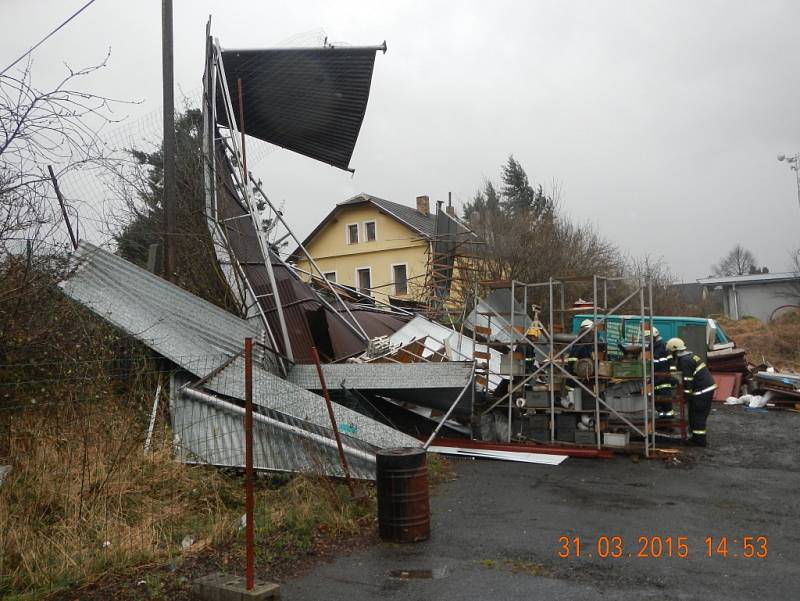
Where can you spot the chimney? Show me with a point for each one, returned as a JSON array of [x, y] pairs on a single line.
[[450, 208], [424, 205]]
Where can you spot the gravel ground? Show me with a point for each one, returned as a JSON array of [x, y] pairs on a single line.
[[496, 527]]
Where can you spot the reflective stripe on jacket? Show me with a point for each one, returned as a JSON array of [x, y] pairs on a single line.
[[696, 377]]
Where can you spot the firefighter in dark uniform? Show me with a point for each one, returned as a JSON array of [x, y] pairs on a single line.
[[698, 386], [663, 383], [582, 349]]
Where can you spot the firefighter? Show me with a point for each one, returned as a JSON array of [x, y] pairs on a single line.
[[582, 349], [661, 365], [698, 386]]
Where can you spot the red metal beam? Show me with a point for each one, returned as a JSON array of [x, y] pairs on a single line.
[[248, 465]]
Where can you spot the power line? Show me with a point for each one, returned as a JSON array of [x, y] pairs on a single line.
[[45, 38]]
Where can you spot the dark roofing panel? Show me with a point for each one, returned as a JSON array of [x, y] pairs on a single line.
[[309, 100], [309, 323]]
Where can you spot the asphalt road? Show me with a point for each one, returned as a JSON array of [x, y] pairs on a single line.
[[496, 527]]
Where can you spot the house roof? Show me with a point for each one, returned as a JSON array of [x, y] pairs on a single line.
[[424, 225], [757, 278]]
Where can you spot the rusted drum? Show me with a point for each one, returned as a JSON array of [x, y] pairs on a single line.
[[402, 480]]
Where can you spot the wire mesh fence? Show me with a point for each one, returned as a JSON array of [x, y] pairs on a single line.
[[116, 458]]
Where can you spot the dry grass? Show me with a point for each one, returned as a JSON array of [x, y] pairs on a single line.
[[84, 504], [83, 499], [776, 343], [73, 514]]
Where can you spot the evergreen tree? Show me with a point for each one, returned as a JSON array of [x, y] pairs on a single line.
[[518, 195], [196, 265], [484, 201], [146, 225]]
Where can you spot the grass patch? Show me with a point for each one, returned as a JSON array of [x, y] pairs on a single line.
[[84, 505], [776, 343], [439, 469], [83, 499], [295, 519]]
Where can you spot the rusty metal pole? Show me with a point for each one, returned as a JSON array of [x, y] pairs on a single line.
[[248, 463], [328, 402]]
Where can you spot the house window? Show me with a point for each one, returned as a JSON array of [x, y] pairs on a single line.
[[352, 233], [330, 276], [400, 278], [364, 279], [369, 231]]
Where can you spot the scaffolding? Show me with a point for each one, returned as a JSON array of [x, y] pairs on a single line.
[[548, 351], [450, 248]]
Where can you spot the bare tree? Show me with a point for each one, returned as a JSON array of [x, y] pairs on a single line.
[[668, 298], [739, 261], [531, 247], [59, 127]]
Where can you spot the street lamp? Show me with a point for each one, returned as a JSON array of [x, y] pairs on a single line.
[[794, 164]]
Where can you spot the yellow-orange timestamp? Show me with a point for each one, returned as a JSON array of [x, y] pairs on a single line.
[[654, 547]]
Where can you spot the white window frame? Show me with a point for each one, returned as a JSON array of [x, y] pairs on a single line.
[[335, 276], [391, 278], [347, 233], [364, 227], [358, 280]]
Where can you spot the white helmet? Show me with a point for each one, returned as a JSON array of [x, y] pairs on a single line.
[[675, 344], [653, 333], [587, 323]]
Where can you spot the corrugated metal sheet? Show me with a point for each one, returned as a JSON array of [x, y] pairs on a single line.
[[199, 337], [182, 327], [432, 385], [213, 433], [286, 397], [309, 100], [385, 376]]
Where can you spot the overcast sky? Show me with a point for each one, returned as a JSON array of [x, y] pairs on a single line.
[[661, 121]]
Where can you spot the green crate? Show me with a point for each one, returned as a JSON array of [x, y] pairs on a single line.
[[627, 369]]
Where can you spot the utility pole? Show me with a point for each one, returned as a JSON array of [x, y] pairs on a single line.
[[167, 72]]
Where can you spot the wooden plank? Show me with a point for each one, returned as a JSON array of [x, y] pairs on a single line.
[[482, 330], [481, 355]]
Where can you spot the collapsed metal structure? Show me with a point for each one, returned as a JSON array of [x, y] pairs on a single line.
[[311, 101], [204, 342], [393, 371]]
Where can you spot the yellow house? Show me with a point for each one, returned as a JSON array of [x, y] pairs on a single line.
[[374, 245]]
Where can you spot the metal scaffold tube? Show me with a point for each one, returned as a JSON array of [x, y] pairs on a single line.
[[553, 364]]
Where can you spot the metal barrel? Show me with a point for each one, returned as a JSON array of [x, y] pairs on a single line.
[[402, 480]]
